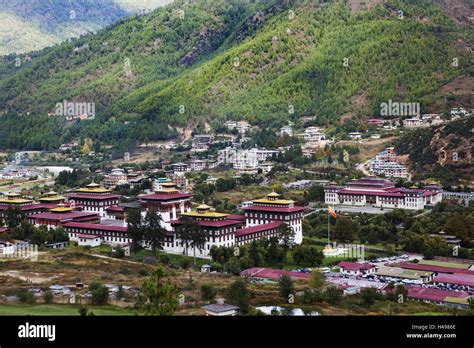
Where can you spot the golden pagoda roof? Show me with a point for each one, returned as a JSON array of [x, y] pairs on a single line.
[[273, 194], [203, 210], [93, 189], [208, 214], [168, 184], [15, 200], [93, 184], [61, 209]]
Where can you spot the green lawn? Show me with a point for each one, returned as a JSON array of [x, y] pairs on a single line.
[[61, 310]]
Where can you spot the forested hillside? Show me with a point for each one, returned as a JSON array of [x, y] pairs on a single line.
[[264, 61], [444, 153], [34, 24]]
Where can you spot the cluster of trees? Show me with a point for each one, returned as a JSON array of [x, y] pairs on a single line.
[[305, 255], [38, 235], [71, 179], [145, 231]]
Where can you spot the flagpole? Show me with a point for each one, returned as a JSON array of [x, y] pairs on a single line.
[[329, 216]]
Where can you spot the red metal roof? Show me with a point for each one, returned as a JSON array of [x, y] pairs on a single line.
[[459, 279], [354, 266], [64, 216], [433, 294], [87, 236], [165, 196], [273, 274], [96, 227], [370, 193], [432, 268], [236, 217], [274, 209], [258, 228], [115, 208]]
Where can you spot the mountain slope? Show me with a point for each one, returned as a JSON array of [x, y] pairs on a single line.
[[35, 24], [257, 60], [445, 153]]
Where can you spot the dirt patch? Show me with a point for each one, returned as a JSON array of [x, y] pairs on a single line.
[[356, 6], [458, 10], [33, 278]]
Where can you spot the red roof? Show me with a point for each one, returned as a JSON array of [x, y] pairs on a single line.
[[370, 193], [165, 196], [3, 229], [434, 294], [87, 236], [432, 268], [258, 228], [236, 217], [93, 196], [355, 266], [273, 274], [31, 206], [65, 216], [115, 208], [274, 209], [96, 227], [459, 279]]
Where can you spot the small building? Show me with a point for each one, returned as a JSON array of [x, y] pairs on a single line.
[[313, 134], [205, 268], [88, 240], [286, 130], [58, 245], [354, 135], [413, 122], [456, 299], [220, 309], [414, 276], [355, 268], [197, 165]]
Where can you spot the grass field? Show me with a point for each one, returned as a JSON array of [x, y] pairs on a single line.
[[68, 310]]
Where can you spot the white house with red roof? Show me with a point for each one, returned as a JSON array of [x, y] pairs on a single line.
[[382, 193], [89, 240], [356, 268]]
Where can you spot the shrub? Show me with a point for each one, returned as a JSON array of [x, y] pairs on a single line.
[[26, 296], [143, 272], [208, 292], [164, 258], [100, 294], [48, 296], [185, 262]]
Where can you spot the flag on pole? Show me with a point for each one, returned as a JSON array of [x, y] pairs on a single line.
[[332, 212]]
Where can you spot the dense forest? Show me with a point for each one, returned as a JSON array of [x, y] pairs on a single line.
[[35, 24], [445, 152], [264, 61]]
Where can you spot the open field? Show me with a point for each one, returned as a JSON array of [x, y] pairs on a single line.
[[67, 310]]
